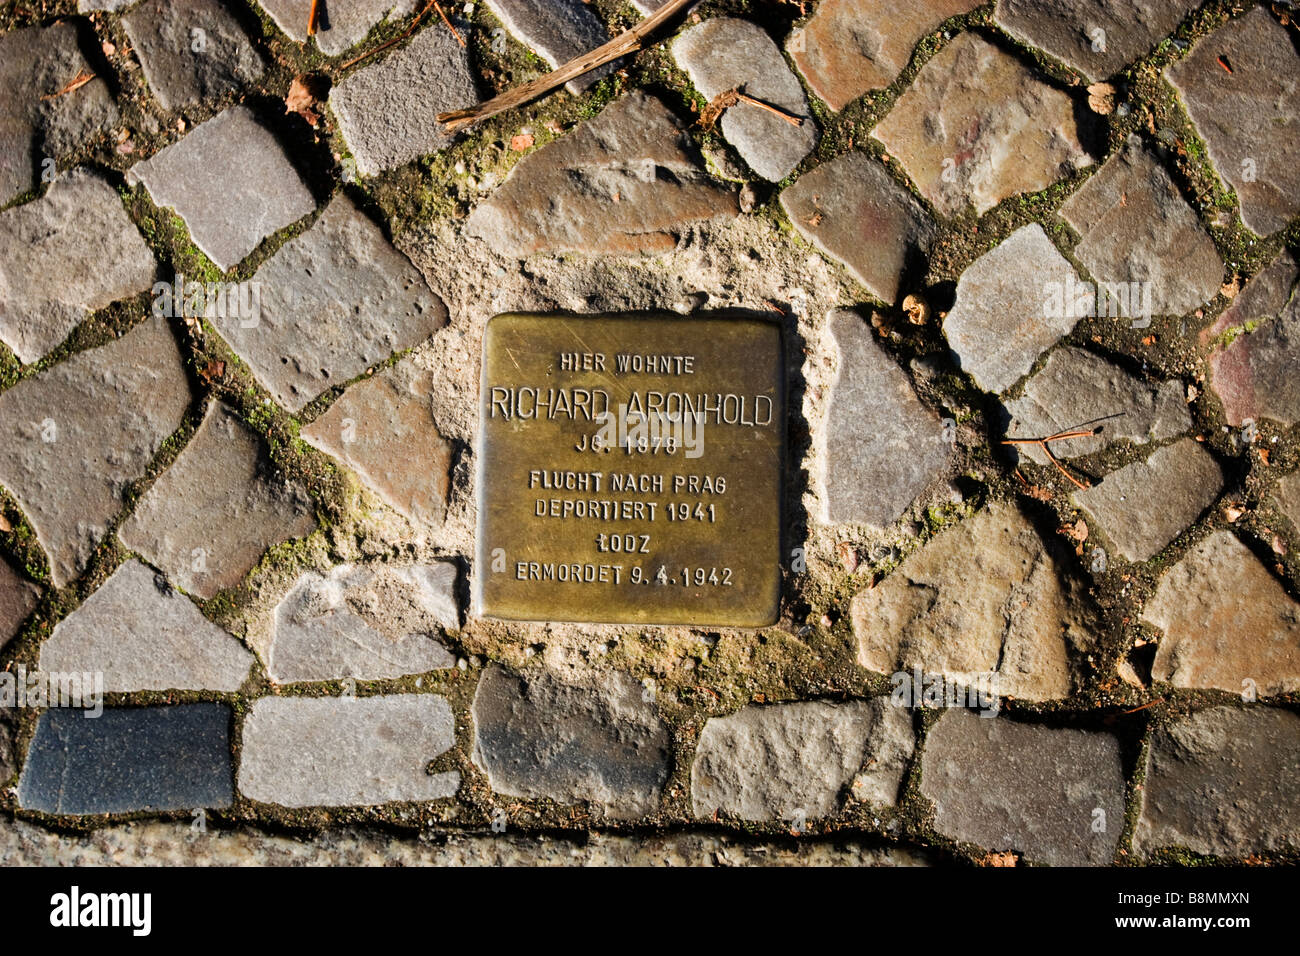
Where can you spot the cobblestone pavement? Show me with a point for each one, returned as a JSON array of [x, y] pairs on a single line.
[[244, 282]]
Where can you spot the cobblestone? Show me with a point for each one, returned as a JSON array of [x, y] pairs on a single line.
[[1069, 390], [364, 622], [1002, 321], [1096, 38], [723, 54], [624, 182], [977, 127], [63, 256], [35, 124], [388, 111], [17, 598], [1054, 795], [384, 429], [849, 47], [209, 518], [1224, 781], [128, 760], [78, 437], [1228, 623], [557, 31], [191, 52], [883, 447], [597, 740], [1012, 626], [232, 183], [1252, 375], [1249, 115], [792, 761], [334, 301], [1143, 506], [344, 26], [851, 209], [1137, 228], [141, 635], [346, 751]]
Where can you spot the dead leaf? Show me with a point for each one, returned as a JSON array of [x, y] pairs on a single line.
[[213, 371], [1077, 531], [998, 859], [1229, 290], [716, 107], [1233, 512], [306, 93], [1101, 98], [917, 309], [521, 142]]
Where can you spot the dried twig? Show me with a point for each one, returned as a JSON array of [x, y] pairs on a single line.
[[397, 39], [788, 117], [76, 83], [724, 101], [459, 39], [1080, 432], [625, 43]]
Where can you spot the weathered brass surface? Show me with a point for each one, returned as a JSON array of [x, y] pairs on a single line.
[[629, 470]]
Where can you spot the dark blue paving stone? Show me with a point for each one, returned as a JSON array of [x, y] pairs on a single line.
[[129, 759]]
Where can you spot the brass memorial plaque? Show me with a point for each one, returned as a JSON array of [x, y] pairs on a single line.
[[630, 469]]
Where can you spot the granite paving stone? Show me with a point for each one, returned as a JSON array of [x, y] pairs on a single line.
[[232, 183], [334, 301], [596, 739], [63, 256], [17, 600], [1143, 506], [626, 182], [388, 110], [1254, 375], [1286, 496], [191, 52], [142, 635], [129, 759], [1096, 37], [384, 429], [1223, 781], [1075, 386], [882, 447], [364, 622], [35, 64], [1003, 319], [1055, 795], [849, 47], [725, 53], [208, 518], [853, 210], [340, 26], [557, 31], [78, 434], [347, 751], [788, 761], [977, 126], [1135, 226], [1249, 116], [1226, 621], [111, 6], [1016, 617]]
